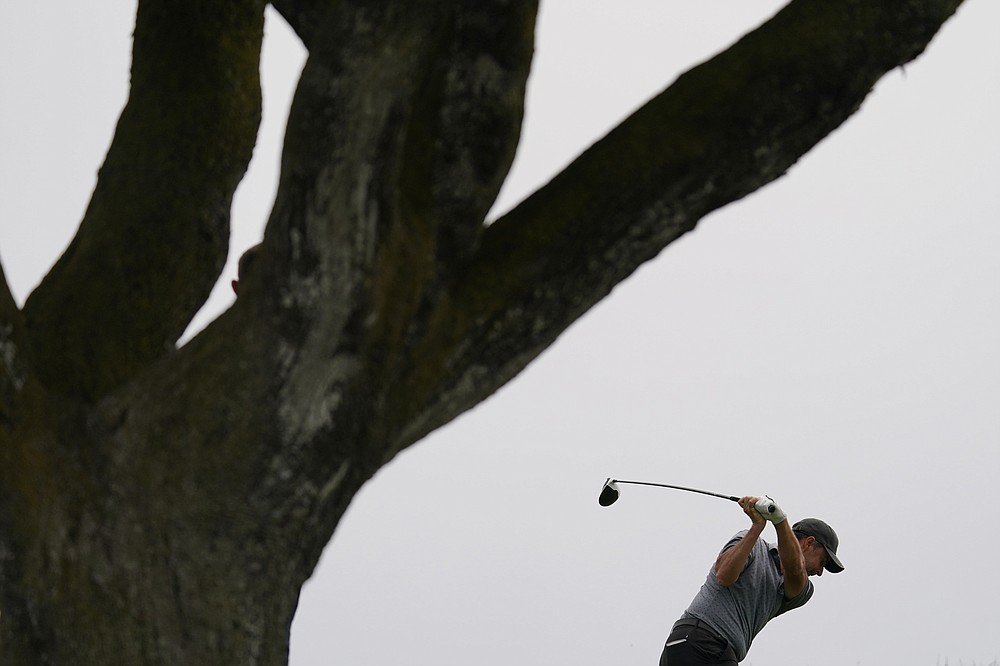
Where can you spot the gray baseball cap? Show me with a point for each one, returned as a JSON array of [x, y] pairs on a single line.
[[827, 538]]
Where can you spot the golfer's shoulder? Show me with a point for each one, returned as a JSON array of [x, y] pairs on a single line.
[[738, 537]]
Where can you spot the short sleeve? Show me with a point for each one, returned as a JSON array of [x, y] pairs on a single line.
[[732, 542], [798, 600]]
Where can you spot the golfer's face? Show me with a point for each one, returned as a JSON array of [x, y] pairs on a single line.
[[815, 558]]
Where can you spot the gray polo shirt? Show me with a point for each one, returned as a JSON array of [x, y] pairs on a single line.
[[740, 611]]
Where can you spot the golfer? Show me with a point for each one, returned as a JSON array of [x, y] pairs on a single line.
[[751, 582]]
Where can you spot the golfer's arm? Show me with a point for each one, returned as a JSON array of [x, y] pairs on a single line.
[[793, 565], [730, 563]]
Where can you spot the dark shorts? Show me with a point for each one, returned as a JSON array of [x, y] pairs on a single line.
[[694, 643]]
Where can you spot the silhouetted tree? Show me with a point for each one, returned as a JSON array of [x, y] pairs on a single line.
[[164, 506]]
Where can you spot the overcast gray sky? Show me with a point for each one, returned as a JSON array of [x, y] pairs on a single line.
[[829, 340]]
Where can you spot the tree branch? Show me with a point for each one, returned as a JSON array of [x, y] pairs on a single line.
[[306, 17], [155, 235], [721, 131], [13, 365], [403, 126], [473, 119]]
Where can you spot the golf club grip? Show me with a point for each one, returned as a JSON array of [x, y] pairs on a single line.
[[770, 507]]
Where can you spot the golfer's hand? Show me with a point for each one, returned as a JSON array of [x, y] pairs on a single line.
[[749, 505], [769, 509]]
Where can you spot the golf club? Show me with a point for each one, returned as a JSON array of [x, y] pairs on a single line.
[[610, 491]]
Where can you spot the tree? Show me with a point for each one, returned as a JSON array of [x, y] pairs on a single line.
[[164, 505]]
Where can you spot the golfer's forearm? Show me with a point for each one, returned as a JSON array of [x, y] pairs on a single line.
[[731, 563]]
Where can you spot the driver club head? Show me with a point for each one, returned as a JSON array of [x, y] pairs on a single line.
[[609, 493]]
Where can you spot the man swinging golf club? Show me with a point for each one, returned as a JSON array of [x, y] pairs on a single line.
[[751, 582]]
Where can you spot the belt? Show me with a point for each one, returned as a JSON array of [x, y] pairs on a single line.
[[696, 624], [687, 627]]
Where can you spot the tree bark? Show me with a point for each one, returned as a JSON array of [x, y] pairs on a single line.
[[164, 506]]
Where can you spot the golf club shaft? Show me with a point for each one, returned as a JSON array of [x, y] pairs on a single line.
[[690, 490]]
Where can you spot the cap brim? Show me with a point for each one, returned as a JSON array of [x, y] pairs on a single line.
[[833, 564]]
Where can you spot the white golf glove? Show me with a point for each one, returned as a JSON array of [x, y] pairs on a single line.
[[768, 508]]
